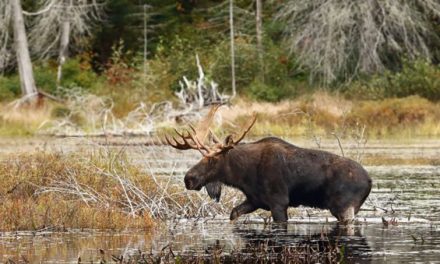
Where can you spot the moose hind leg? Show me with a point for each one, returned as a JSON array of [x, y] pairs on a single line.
[[245, 207]]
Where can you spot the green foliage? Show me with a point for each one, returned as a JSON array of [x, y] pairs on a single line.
[[113, 63], [264, 92], [179, 52], [418, 78], [45, 77], [78, 73], [124, 17], [9, 87], [415, 78], [276, 72]]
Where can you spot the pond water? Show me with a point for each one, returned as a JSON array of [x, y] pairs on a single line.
[[366, 243], [399, 223]]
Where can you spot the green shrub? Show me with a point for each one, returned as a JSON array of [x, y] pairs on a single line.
[[9, 87], [44, 80], [418, 78], [78, 73], [264, 92], [415, 78], [45, 77]]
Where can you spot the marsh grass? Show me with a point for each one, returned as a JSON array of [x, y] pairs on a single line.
[[319, 114], [24, 120], [323, 115], [27, 203], [99, 189]]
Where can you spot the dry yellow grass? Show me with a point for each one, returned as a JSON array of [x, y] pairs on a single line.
[[97, 189], [23, 120], [27, 205], [323, 114], [320, 114]]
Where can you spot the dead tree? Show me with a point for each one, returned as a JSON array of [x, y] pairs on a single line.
[[60, 21], [200, 93], [259, 33], [341, 38], [27, 82], [232, 37]]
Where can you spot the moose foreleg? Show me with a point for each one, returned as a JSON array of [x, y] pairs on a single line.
[[279, 213], [245, 207]]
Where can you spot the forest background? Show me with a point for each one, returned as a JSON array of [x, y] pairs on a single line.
[[327, 65]]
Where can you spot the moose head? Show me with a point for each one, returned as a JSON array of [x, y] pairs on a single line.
[[208, 172]]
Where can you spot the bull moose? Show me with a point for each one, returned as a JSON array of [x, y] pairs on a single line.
[[273, 174]]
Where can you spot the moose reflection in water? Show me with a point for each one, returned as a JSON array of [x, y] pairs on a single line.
[[273, 174], [319, 244], [324, 244]]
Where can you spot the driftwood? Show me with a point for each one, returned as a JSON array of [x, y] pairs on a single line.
[[98, 120]]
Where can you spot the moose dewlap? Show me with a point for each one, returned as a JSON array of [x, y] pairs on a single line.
[[274, 174]]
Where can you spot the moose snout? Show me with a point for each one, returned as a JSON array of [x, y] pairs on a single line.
[[191, 183]]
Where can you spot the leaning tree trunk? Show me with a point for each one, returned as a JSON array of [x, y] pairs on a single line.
[[64, 38], [64, 48], [27, 82]]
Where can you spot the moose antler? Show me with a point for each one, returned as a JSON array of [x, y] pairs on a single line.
[[196, 144], [202, 129], [195, 139], [246, 129]]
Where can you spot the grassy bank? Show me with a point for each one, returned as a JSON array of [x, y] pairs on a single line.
[[316, 115], [324, 115]]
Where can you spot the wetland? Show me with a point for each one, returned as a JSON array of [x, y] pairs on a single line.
[[399, 222]]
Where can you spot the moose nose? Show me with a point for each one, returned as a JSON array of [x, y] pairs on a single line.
[[191, 182]]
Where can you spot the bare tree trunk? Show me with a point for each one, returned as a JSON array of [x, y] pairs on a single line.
[[64, 39], [64, 48], [145, 44], [231, 25], [27, 82], [259, 31]]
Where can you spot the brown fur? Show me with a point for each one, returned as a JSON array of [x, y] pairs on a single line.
[[274, 175]]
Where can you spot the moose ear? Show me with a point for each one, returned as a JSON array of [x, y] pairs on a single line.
[[214, 190]]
